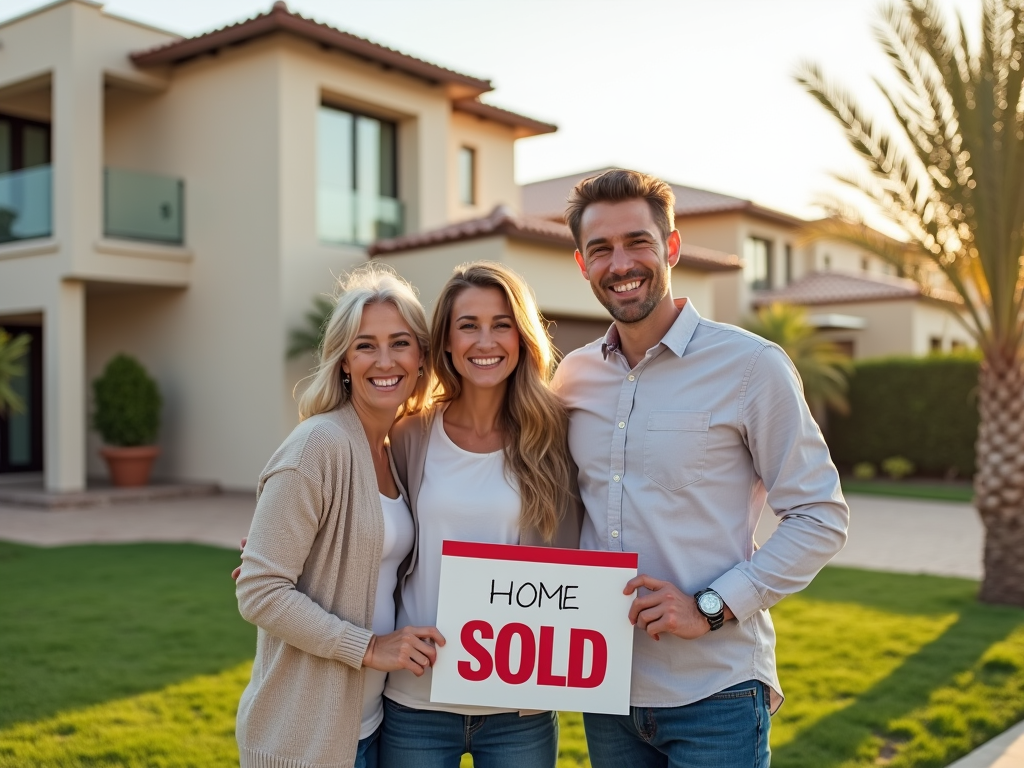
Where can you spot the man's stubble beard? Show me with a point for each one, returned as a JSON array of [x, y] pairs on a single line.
[[634, 312]]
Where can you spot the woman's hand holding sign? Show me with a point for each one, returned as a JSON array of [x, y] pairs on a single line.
[[666, 609]]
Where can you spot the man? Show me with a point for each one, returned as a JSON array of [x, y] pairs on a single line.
[[681, 428]]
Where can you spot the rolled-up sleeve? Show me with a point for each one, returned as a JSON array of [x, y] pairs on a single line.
[[284, 527], [802, 484]]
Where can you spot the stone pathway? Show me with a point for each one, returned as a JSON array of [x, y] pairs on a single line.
[[909, 536]]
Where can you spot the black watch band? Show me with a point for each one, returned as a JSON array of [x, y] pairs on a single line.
[[717, 618]]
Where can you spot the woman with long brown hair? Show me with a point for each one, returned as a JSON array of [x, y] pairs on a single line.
[[487, 462]]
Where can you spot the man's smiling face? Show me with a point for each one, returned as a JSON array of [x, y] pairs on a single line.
[[626, 257]]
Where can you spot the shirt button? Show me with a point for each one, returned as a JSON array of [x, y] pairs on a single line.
[[615, 478], [615, 534], [622, 425], [631, 377]]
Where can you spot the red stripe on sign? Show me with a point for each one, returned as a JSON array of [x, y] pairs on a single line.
[[526, 554]]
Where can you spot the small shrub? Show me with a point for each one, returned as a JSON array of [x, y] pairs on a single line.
[[127, 404], [897, 467], [865, 470]]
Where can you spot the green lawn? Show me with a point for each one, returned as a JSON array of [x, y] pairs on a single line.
[[911, 489], [135, 656]]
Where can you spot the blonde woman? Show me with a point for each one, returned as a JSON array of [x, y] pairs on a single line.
[[488, 462], [331, 527]]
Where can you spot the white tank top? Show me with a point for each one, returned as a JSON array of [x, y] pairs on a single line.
[[466, 497], [398, 538]]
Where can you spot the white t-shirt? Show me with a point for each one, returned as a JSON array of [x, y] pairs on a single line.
[[398, 538], [466, 497]]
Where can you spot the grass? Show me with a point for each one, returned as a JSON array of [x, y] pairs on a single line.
[[135, 656], [911, 489]]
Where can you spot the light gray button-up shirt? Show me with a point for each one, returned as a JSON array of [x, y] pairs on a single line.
[[676, 458]]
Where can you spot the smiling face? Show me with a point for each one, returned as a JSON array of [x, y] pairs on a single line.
[[383, 361], [483, 339], [626, 258]]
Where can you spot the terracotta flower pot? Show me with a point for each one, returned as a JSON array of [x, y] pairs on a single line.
[[130, 467]]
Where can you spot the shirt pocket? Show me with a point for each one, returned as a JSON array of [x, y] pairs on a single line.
[[674, 447]]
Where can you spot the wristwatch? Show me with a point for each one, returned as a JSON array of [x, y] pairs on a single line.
[[712, 607]]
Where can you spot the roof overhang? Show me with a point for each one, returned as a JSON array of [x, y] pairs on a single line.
[[280, 19]]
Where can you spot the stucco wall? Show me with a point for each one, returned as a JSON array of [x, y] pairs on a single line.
[[495, 165]]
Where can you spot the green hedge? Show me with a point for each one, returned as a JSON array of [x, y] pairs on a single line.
[[922, 408]]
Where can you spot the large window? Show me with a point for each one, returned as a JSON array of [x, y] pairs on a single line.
[[757, 263], [467, 176], [357, 178], [25, 179]]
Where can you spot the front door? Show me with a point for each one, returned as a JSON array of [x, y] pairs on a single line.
[[21, 434]]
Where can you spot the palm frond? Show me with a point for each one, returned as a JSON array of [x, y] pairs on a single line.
[[13, 350], [308, 338]]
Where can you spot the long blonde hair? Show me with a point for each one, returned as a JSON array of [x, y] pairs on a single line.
[[372, 283], [533, 419]]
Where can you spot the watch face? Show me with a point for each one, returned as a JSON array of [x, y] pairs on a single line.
[[709, 603]]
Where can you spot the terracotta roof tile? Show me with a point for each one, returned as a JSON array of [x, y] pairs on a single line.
[[502, 221], [835, 287], [280, 19]]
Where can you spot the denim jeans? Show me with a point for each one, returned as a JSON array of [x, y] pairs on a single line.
[[368, 751], [422, 738], [727, 730]]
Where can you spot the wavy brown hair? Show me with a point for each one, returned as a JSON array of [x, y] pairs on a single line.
[[533, 419]]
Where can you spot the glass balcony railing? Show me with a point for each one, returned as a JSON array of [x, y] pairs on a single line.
[[349, 216], [143, 206], [26, 203]]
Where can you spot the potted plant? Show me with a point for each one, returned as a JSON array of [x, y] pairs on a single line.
[[127, 416]]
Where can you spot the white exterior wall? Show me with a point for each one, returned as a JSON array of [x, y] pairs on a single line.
[[495, 164]]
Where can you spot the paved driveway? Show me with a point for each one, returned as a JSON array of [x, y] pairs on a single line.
[[935, 537]]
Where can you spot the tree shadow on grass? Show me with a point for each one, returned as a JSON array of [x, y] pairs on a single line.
[[845, 734], [86, 624]]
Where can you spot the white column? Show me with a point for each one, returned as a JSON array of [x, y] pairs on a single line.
[[64, 411]]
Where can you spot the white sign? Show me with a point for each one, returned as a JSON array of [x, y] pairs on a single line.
[[534, 628]]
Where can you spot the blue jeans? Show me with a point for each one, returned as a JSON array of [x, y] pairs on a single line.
[[422, 738], [727, 730], [368, 751]]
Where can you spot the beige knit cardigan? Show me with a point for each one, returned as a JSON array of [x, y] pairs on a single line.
[[308, 581]]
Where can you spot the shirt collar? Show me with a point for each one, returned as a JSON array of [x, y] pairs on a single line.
[[677, 337]]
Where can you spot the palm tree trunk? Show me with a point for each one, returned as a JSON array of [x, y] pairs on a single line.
[[999, 484]]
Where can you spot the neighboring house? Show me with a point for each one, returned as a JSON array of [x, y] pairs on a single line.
[[875, 316], [890, 317], [182, 200], [541, 251]]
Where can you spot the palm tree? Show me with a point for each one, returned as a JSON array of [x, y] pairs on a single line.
[[951, 176], [12, 354], [308, 338], [822, 366]]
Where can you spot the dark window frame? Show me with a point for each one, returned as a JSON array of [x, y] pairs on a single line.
[[34, 365], [17, 144], [394, 175], [472, 175]]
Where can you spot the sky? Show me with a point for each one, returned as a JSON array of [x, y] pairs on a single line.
[[699, 92]]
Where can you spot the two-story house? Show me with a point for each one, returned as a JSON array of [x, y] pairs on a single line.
[[181, 200]]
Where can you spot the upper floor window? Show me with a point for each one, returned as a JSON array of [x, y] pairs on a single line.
[[467, 175], [26, 209], [357, 178], [757, 263]]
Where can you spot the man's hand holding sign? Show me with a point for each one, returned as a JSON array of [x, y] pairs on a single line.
[[534, 628]]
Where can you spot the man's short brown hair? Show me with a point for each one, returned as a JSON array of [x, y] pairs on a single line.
[[615, 186]]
